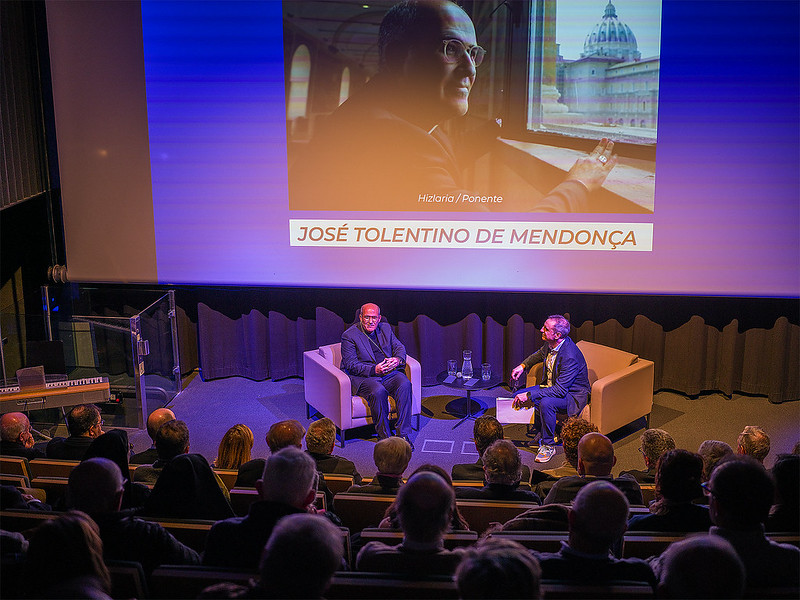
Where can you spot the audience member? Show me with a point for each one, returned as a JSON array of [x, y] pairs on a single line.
[[595, 461], [654, 443], [753, 441], [573, 429], [320, 440], [740, 493], [796, 447], [391, 456], [678, 478], [114, 446], [486, 431], [288, 486], [502, 467], [425, 510], [700, 566], [785, 512], [597, 521], [280, 435], [155, 420], [84, 424], [16, 438], [712, 451], [65, 559], [392, 521], [12, 498], [188, 489], [96, 487], [234, 447], [498, 568], [172, 439]]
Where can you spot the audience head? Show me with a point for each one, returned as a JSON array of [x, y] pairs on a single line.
[[290, 477], [786, 472], [96, 486], [701, 566], [84, 421], [156, 419], [498, 568], [486, 431], [598, 517], [679, 474], [753, 441], [712, 452], [502, 463], [113, 445], [317, 541], [425, 507], [63, 549], [595, 455], [391, 455], [654, 443], [172, 439], [796, 448], [321, 436], [234, 448], [284, 434], [15, 427], [741, 493], [572, 431]]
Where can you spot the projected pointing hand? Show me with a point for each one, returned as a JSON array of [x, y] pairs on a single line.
[[592, 169]]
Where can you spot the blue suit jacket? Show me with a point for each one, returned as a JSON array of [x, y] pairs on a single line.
[[570, 376], [360, 356]]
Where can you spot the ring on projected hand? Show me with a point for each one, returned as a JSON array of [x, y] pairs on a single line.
[[602, 159]]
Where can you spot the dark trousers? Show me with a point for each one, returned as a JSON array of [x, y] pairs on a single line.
[[548, 406], [377, 391]]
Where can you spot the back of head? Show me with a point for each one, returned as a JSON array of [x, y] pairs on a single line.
[[712, 451], [595, 455], [502, 463], [742, 491], [425, 507], [188, 489], [284, 434], [13, 425], [786, 472], [701, 566], [235, 446], [679, 474], [485, 432], [572, 431], [172, 439], [95, 486], [754, 441], [302, 554], [321, 436], [81, 419], [289, 477], [654, 443], [65, 548], [406, 25], [391, 455], [114, 446], [599, 514], [498, 568], [156, 419]]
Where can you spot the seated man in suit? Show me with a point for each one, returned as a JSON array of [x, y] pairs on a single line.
[[595, 461], [485, 432], [375, 361], [565, 385], [154, 420], [502, 469], [16, 438], [425, 507], [84, 425], [654, 443], [320, 440], [391, 456]]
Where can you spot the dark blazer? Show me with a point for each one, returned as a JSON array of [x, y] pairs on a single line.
[[642, 476], [474, 472], [496, 491], [19, 449], [680, 517], [565, 489], [570, 376], [146, 457], [360, 356], [71, 448], [381, 484], [330, 463]]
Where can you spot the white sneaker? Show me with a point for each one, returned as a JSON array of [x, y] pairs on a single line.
[[545, 453]]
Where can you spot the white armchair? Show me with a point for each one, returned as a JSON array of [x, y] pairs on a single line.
[[328, 390]]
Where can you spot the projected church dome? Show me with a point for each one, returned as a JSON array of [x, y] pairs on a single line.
[[611, 37]]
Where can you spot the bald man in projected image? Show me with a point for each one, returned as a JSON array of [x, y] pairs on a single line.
[[383, 149]]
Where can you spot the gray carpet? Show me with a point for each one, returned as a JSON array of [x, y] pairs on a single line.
[[211, 407]]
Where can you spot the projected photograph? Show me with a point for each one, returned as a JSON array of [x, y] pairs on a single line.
[[497, 107]]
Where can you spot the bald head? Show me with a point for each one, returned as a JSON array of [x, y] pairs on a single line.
[[595, 455], [14, 427], [284, 434], [425, 506], [95, 486], [156, 419], [598, 517]]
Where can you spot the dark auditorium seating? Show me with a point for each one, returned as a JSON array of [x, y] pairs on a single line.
[[614, 589], [241, 499], [392, 537], [357, 586], [338, 482], [228, 477], [14, 465], [358, 511], [15, 480], [52, 467], [127, 579], [482, 513], [541, 541], [185, 581], [54, 487]]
